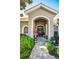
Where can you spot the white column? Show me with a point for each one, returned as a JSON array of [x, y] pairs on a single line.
[[49, 29], [46, 29], [31, 28]]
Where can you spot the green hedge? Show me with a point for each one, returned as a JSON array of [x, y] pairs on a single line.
[[26, 46], [53, 50]]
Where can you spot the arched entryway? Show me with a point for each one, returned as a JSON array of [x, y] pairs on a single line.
[[42, 24]]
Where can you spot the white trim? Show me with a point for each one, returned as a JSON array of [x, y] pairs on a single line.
[[35, 19], [23, 28], [40, 25], [38, 6]]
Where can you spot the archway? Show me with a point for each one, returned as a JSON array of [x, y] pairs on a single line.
[[42, 26], [41, 22]]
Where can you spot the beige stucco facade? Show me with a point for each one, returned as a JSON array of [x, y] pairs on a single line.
[[40, 13]]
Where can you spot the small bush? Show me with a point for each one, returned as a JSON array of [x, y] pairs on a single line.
[[53, 50], [26, 46]]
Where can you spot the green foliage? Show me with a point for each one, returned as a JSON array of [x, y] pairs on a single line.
[[23, 3], [52, 38], [26, 46], [53, 50], [49, 45], [55, 37]]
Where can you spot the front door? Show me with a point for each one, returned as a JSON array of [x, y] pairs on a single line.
[[40, 31]]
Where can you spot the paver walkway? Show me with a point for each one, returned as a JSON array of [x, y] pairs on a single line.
[[40, 51]]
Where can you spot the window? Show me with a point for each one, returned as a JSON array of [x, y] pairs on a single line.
[[56, 35], [55, 28], [55, 32], [25, 29]]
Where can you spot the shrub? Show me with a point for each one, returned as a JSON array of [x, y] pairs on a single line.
[[55, 40], [53, 50], [52, 38], [26, 46], [55, 37]]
